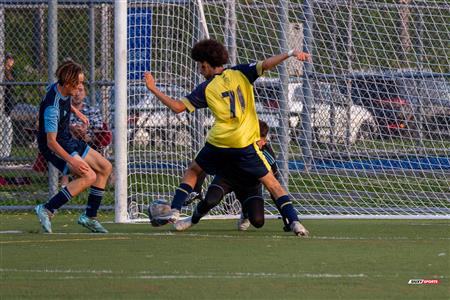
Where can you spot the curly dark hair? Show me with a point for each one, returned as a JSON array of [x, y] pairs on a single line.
[[68, 72], [210, 51]]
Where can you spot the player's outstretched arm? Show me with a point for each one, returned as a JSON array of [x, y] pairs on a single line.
[[273, 61], [175, 105], [79, 115]]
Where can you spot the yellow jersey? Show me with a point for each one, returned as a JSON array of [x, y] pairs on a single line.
[[229, 95]]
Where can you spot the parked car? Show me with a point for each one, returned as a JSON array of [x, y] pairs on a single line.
[[151, 122], [430, 97], [402, 103], [329, 121], [383, 97]]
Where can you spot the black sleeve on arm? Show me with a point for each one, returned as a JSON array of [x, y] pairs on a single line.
[[251, 71], [197, 98]]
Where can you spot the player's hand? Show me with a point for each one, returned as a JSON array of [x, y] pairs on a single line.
[[149, 81], [302, 56], [79, 166], [84, 119], [80, 115]]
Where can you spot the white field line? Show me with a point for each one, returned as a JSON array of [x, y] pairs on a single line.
[[248, 275], [127, 236], [244, 236], [430, 224], [70, 271], [241, 235], [109, 274], [66, 240], [150, 275]]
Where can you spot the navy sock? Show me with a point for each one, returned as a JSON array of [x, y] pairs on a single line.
[[181, 194], [196, 216], [287, 209], [94, 200], [283, 217], [58, 200]]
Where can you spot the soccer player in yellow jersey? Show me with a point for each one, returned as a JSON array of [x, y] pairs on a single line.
[[231, 142], [247, 190]]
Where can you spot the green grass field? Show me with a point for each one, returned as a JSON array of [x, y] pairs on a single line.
[[343, 259]]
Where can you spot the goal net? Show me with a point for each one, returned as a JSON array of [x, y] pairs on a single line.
[[362, 131]]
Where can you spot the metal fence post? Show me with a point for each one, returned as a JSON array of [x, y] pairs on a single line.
[[306, 136], [419, 111], [92, 87], [38, 38], [284, 106], [199, 117], [105, 58], [230, 31], [334, 70], [52, 65], [350, 70], [2, 55]]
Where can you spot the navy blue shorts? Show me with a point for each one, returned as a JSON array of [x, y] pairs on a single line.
[[244, 192], [243, 162], [73, 147]]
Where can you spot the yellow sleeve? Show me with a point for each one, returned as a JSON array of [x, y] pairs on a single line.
[[259, 68], [188, 104]]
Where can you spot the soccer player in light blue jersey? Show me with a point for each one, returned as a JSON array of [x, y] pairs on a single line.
[[67, 154]]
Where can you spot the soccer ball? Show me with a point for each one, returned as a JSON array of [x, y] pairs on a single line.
[[157, 210]]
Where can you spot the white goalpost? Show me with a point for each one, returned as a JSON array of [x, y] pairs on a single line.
[[361, 132], [120, 109]]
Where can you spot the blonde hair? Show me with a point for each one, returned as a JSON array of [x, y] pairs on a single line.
[[68, 72]]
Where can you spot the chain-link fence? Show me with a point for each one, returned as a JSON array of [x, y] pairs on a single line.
[[84, 34], [362, 118]]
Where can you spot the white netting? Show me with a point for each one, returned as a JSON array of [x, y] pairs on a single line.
[[363, 130]]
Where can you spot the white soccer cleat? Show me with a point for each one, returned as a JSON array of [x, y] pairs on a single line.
[[243, 223], [183, 224], [174, 216], [299, 229], [170, 217]]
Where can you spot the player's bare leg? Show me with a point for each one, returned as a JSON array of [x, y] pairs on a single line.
[[193, 172], [273, 185], [101, 166], [83, 180]]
